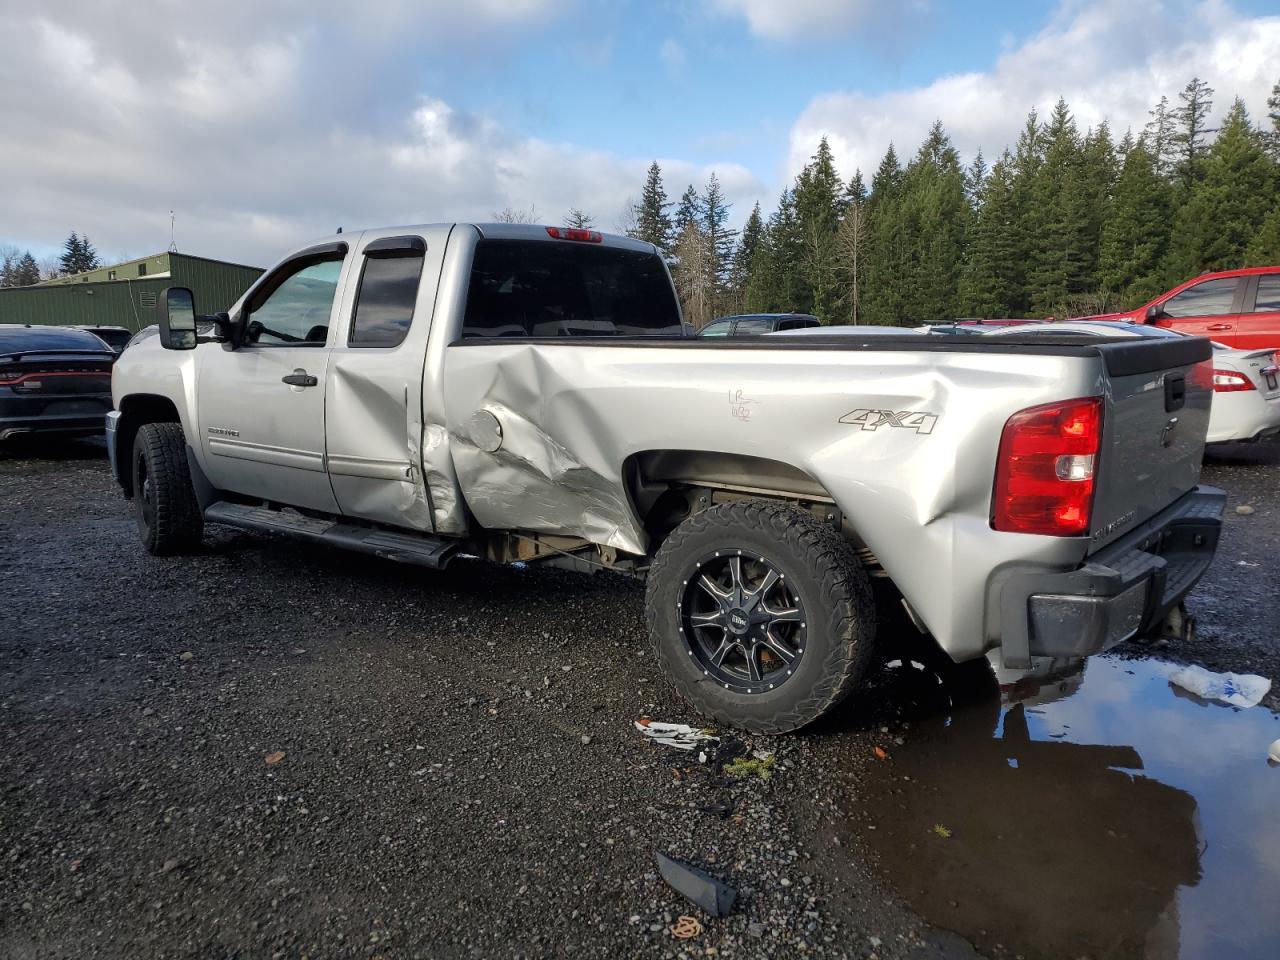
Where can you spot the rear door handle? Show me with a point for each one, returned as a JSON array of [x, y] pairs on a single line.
[[1219, 326], [299, 378]]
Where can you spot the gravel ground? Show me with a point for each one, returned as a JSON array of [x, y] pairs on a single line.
[[270, 749]]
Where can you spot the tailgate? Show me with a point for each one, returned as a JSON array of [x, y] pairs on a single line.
[[1157, 413]]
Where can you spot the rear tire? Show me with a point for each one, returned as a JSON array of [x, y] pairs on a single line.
[[169, 518], [782, 647]]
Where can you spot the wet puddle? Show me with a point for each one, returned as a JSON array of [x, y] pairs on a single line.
[[1107, 814]]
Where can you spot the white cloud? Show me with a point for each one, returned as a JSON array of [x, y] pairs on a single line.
[[264, 132], [1110, 61], [804, 19]]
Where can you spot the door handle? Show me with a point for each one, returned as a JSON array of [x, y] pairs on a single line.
[[1219, 326], [299, 378]]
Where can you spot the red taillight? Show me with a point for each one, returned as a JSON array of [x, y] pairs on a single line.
[[1045, 472], [574, 233], [1229, 381]]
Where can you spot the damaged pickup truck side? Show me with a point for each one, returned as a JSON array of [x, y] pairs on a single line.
[[525, 393]]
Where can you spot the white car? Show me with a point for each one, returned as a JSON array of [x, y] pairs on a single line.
[[1246, 383]]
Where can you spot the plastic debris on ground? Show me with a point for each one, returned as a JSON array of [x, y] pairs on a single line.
[[697, 886], [678, 735], [1238, 689]]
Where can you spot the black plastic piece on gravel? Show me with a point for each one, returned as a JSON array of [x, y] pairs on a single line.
[[697, 886]]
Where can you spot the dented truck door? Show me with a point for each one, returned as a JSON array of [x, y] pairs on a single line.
[[373, 404]]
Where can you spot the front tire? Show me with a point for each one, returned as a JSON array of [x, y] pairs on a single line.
[[761, 615], [169, 518]]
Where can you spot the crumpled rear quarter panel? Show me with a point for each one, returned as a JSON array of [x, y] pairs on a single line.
[[572, 415]]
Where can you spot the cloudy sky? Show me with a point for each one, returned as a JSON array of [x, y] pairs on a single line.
[[264, 123]]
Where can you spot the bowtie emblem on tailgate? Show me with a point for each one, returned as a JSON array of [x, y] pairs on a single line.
[[869, 419]]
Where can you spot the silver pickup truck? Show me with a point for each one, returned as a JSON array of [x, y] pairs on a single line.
[[525, 393]]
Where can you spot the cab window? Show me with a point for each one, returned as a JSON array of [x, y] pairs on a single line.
[[1212, 298], [296, 312], [1268, 299], [387, 293], [717, 328]]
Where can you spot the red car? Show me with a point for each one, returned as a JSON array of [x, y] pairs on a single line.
[[1240, 308]]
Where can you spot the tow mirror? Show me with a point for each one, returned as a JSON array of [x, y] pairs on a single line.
[[176, 312]]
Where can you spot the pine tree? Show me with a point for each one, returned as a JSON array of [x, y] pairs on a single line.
[[777, 283], [744, 258], [576, 219], [78, 255], [72, 255], [990, 274], [715, 223], [1058, 236], [1223, 214], [27, 271], [884, 291], [8, 270], [652, 221], [1025, 210], [1134, 238], [1273, 114], [818, 207], [689, 211], [856, 191], [1158, 134], [974, 177], [1264, 248], [89, 255], [934, 218], [1192, 124]]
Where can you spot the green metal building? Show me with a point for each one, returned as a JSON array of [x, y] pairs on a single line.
[[124, 295]]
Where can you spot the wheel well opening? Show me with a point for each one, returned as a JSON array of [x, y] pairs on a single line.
[[137, 411], [666, 486]]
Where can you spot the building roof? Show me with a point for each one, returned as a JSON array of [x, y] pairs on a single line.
[[101, 274]]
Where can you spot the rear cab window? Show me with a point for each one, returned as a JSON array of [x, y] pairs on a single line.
[[537, 288]]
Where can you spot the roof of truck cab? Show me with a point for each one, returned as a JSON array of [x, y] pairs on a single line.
[[489, 231]]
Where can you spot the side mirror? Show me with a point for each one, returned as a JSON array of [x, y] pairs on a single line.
[[176, 313], [1154, 312]]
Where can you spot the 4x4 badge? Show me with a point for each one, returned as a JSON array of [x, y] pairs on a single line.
[[916, 420]]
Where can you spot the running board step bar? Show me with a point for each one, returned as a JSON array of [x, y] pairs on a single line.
[[425, 551]]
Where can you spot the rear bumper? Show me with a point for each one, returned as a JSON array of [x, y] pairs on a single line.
[[1123, 591], [80, 415]]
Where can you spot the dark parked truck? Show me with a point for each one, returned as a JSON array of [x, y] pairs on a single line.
[[52, 380], [524, 393]]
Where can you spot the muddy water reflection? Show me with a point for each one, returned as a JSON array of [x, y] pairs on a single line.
[[1107, 818]]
